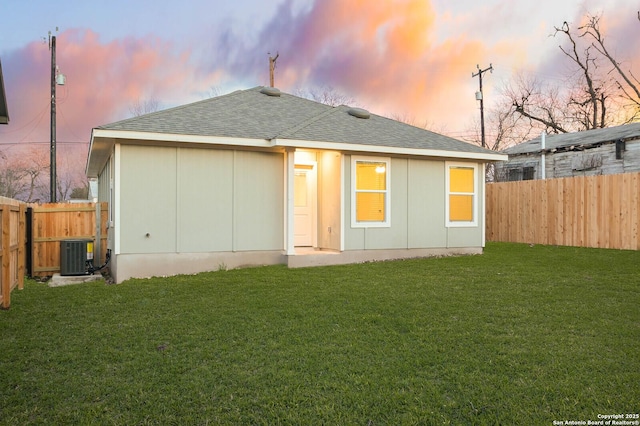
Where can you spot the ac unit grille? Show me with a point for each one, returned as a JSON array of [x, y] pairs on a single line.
[[73, 257]]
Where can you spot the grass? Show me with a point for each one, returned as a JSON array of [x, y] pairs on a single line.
[[520, 335]]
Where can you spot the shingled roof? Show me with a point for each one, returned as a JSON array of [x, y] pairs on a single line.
[[587, 138], [287, 120]]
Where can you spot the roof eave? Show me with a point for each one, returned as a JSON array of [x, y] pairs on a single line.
[[379, 149], [4, 110], [99, 152], [102, 141], [174, 137]]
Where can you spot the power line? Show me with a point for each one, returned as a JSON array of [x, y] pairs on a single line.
[[37, 117], [43, 142]]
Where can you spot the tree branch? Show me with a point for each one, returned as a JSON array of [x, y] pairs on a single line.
[[548, 123], [593, 29]]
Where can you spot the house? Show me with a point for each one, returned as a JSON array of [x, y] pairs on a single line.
[[4, 111], [259, 177], [592, 152]]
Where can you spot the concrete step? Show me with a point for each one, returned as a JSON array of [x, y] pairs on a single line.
[[58, 280]]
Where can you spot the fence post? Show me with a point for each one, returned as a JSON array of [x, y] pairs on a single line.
[[22, 229], [5, 210], [29, 241]]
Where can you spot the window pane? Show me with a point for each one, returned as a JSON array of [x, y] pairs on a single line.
[[460, 208], [528, 173], [461, 179], [369, 207], [371, 176]]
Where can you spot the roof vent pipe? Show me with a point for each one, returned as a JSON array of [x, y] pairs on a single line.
[[543, 148], [359, 113], [270, 91]]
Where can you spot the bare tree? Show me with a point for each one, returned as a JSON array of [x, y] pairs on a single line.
[[141, 107], [411, 120], [327, 95], [504, 128], [213, 92], [71, 176], [11, 181], [589, 101], [80, 192], [597, 93], [627, 83], [22, 175], [539, 104], [64, 185]]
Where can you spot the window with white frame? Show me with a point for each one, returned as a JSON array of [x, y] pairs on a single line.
[[462, 194], [370, 192]]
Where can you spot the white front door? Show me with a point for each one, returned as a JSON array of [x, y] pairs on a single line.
[[304, 202]]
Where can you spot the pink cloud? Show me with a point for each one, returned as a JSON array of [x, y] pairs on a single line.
[[103, 80], [381, 53]]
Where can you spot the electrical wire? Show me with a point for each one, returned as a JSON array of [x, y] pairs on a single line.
[[38, 117], [68, 128], [44, 142]]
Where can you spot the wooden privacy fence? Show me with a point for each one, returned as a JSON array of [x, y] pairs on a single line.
[[12, 245], [30, 237], [588, 211], [54, 222]]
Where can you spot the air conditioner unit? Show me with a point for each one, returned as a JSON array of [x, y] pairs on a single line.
[[74, 255]]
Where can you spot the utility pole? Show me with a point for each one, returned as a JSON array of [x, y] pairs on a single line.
[[52, 160], [479, 97], [272, 68], [56, 78]]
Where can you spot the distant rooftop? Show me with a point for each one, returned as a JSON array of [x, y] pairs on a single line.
[[577, 139]]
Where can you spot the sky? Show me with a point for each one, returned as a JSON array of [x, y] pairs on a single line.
[[408, 59]]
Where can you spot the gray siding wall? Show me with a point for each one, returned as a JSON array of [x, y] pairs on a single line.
[[596, 161], [148, 199], [426, 204], [418, 197], [105, 194], [258, 182], [205, 195], [104, 185], [182, 200]]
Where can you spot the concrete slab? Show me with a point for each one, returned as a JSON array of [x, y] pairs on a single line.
[[58, 280]]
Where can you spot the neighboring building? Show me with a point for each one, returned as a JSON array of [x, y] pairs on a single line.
[[592, 152], [261, 177], [4, 111]]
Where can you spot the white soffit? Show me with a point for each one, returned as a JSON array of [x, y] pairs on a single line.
[[169, 137], [336, 146]]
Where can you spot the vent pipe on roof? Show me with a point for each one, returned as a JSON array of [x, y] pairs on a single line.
[[543, 148], [270, 91], [359, 113]]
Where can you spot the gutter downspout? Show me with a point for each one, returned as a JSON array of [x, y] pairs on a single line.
[[543, 143]]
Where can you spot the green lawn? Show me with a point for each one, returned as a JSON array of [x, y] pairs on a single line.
[[520, 335]]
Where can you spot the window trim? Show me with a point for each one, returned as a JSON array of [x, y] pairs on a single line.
[[387, 199], [461, 224]]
